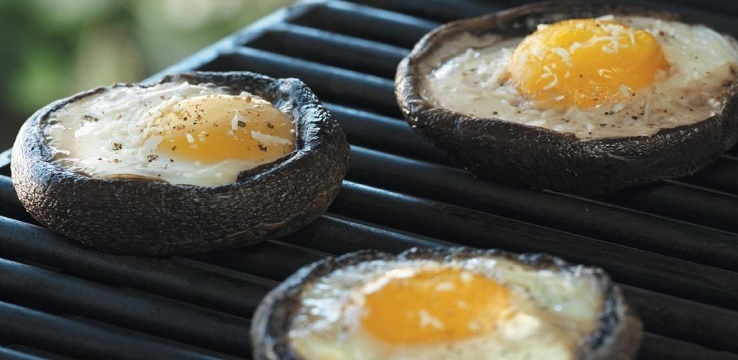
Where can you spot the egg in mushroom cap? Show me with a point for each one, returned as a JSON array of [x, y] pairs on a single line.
[[142, 214], [445, 304], [522, 143]]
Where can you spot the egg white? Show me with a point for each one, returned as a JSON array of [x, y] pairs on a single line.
[[551, 314], [467, 75], [110, 134]]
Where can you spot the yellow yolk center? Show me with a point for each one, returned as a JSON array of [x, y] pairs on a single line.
[[584, 63], [214, 128], [432, 306]]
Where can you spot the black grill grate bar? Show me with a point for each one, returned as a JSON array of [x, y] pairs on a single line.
[[217, 269], [473, 228], [380, 132], [25, 284], [720, 176], [9, 204], [679, 318], [366, 22], [659, 347], [158, 276], [11, 354], [331, 83], [328, 48], [732, 151], [712, 209], [696, 13], [437, 10], [335, 235], [268, 259], [76, 339], [589, 218], [39, 354]]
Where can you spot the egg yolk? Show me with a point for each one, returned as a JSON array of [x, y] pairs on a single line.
[[585, 62], [214, 128], [431, 306]]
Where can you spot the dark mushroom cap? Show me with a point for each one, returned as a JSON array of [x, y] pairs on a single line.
[[134, 216], [617, 337], [537, 157]]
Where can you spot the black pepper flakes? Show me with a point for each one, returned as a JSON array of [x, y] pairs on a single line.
[[262, 148], [90, 118], [634, 117], [241, 124], [152, 157], [270, 125], [117, 146]]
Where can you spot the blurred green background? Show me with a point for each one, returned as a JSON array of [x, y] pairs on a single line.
[[51, 49]]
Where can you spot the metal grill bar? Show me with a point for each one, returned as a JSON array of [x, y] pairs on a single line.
[[366, 22], [349, 52], [11, 354], [163, 277], [588, 218], [23, 283], [717, 176], [345, 87], [77, 339], [379, 132]]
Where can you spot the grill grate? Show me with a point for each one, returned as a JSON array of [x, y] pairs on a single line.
[[673, 246]]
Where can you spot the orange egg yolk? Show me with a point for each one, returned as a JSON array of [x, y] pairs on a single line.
[[214, 128], [431, 306], [585, 62]]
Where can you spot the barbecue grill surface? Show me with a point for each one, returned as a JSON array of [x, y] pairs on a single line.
[[673, 246]]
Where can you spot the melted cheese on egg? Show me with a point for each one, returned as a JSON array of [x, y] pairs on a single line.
[[585, 63], [466, 309], [607, 77], [179, 133]]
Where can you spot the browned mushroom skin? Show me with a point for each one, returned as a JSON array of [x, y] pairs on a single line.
[[617, 338], [540, 158], [140, 216]]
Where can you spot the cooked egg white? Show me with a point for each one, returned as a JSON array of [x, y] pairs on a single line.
[[483, 308], [175, 132], [606, 77]]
